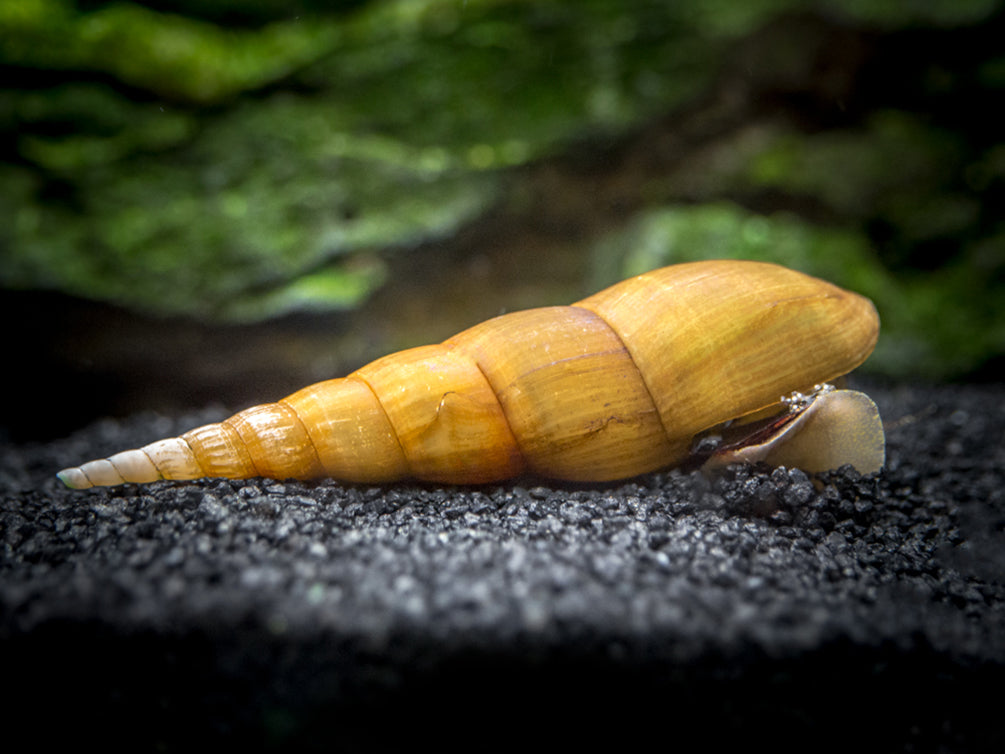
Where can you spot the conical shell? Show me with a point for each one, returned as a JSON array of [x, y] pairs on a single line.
[[608, 388]]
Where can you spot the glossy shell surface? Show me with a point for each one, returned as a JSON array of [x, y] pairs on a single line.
[[612, 386]]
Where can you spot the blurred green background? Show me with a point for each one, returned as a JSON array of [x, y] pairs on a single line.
[[227, 199]]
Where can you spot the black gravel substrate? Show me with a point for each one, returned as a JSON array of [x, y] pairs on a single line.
[[671, 611]]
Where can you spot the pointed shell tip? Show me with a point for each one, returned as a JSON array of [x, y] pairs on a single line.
[[74, 478]]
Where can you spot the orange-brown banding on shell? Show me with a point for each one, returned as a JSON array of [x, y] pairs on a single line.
[[349, 430], [709, 337], [445, 415], [570, 393], [277, 442], [220, 451]]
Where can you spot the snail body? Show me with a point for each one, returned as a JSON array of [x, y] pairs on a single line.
[[615, 385]]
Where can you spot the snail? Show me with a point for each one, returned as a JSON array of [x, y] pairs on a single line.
[[613, 386]]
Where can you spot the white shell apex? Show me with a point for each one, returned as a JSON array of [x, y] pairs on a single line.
[[171, 458]]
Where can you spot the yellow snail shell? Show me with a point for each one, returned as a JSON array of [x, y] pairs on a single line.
[[613, 386]]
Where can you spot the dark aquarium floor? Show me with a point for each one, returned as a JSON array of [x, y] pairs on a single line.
[[754, 608]]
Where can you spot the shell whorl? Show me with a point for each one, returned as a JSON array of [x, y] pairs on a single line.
[[613, 386]]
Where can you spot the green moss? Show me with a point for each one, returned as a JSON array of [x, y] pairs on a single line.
[[502, 82], [992, 73], [258, 201], [862, 172], [168, 163], [387, 131], [901, 13], [725, 231], [172, 56], [320, 290]]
